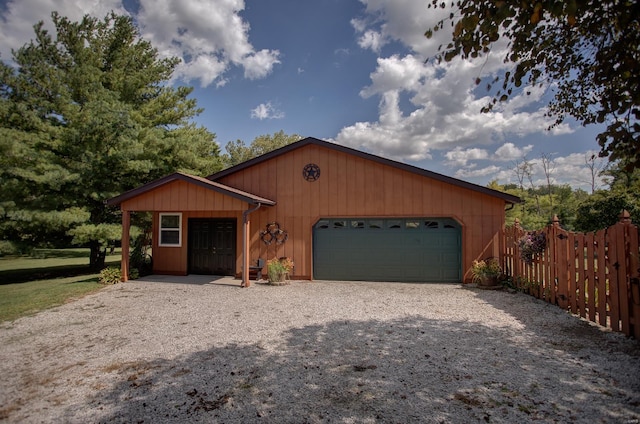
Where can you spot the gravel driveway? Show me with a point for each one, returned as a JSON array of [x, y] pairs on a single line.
[[170, 349]]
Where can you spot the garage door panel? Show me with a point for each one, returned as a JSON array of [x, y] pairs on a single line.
[[391, 249]]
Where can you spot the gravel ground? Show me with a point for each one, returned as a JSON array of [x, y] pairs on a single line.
[[163, 349]]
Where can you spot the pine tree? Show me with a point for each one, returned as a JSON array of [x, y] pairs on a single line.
[[84, 116]]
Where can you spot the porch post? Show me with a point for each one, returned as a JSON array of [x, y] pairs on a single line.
[[246, 238], [124, 263], [246, 230]]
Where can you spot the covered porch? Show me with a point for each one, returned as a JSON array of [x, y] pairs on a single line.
[[198, 225]]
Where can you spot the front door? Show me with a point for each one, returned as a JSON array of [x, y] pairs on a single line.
[[212, 246]]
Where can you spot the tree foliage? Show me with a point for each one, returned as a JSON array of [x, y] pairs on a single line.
[[576, 209], [238, 152], [540, 204], [86, 114], [588, 49], [603, 208]]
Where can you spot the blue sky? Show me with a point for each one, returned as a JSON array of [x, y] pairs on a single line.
[[347, 71]]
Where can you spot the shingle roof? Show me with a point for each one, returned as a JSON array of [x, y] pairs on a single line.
[[202, 182], [403, 166]]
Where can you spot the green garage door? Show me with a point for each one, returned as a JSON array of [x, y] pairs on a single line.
[[415, 249]]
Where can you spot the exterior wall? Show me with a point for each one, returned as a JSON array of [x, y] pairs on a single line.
[[174, 260], [179, 196], [351, 186], [194, 202]]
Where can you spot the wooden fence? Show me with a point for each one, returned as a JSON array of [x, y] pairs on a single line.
[[594, 275]]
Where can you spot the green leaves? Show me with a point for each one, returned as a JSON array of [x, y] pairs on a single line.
[[87, 114], [588, 48], [103, 233], [238, 152]]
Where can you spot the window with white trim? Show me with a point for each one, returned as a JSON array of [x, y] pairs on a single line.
[[170, 230]]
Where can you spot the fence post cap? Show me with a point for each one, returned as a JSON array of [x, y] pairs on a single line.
[[516, 222], [555, 220]]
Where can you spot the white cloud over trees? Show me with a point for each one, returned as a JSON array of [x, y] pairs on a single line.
[[209, 36]]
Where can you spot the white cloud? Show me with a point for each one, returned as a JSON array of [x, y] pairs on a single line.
[[395, 74], [209, 29], [360, 25], [205, 68], [266, 111], [209, 36], [372, 40], [260, 64], [16, 23], [510, 152], [402, 20], [459, 157], [491, 171], [445, 102], [570, 169]]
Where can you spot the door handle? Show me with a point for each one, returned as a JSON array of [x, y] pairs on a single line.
[[213, 250]]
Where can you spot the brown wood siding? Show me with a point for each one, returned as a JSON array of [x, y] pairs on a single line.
[[194, 202], [351, 186], [180, 195], [169, 260], [174, 260]]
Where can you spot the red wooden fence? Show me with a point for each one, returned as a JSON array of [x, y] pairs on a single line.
[[594, 275]]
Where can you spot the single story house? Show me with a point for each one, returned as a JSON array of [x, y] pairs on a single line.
[[338, 213]]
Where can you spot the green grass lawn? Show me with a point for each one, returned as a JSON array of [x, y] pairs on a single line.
[[22, 299], [49, 263], [47, 278], [46, 258]]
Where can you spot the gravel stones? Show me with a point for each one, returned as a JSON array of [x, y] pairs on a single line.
[[173, 349]]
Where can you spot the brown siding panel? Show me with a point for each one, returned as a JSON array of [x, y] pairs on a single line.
[[180, 195], [351, 186]]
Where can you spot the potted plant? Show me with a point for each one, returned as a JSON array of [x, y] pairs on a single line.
[[279, 270], [486, 272]]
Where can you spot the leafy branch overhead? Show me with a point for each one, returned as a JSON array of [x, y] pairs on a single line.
[[587, 51]]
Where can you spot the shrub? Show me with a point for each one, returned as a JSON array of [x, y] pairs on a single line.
[[7, 248], [139, 259], [110, 275], [134, 274]]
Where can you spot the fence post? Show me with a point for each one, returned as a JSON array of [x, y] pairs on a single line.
[[633, 281], [517, 272], [560, 272], [549, 261]]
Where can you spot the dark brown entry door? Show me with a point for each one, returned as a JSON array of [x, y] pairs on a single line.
[[212, 246]]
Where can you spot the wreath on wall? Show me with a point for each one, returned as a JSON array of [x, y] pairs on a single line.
[[273, 234]]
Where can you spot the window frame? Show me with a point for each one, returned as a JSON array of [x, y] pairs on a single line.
[[161, 229]]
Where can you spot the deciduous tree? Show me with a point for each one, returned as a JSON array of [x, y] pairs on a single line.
[[238, 152], [602, 209], [588, 51]]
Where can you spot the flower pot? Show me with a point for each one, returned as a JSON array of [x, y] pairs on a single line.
[[488, 281], [278, 278]]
